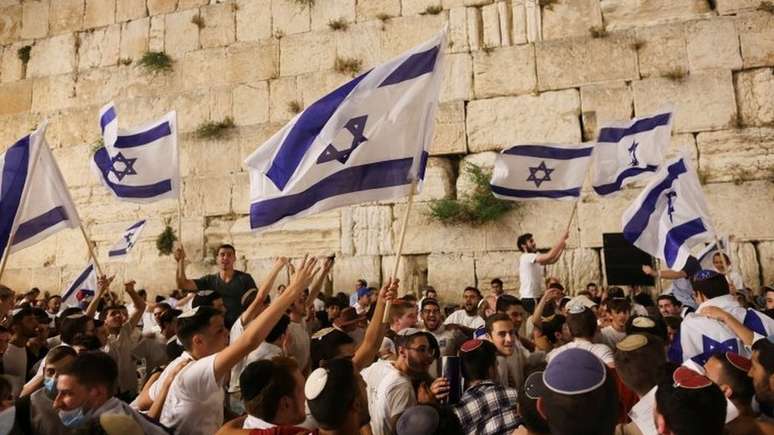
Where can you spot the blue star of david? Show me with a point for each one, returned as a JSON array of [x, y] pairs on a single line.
[[128, 238], [128, 166], [670, 196], [711, 347], [633, 153], [356, 126], [540, 168]]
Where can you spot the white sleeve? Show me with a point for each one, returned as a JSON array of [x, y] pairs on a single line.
[[531, 257], [197, 380], [237, 329], [452, 319]]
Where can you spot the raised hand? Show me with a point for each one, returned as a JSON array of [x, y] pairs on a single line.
[[647, 270], [179, 254], [129, 285], [389, 291], [104, 282], [304, 275]]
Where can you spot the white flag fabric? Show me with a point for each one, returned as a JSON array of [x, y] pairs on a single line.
[[670, 215], [705, 255], [365, 141], [630, 150], [128, 239], [34, 200], [82, 287], [528, 172], [139, 164]]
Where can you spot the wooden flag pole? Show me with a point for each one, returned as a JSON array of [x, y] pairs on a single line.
[[91, 250], [6, 254], [180, 219], [572, 216], [402, 237], [659, 285]]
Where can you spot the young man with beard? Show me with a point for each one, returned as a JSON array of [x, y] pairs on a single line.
[[17, 359], [467, 319], [448, 339], [668, 305], [530, 267]]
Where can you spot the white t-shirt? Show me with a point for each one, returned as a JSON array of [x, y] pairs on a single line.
[[194, 403], [252, 422], [299, 343], [611, 337], [389, 394], [461, 317], [530, 276], [121, 346], [264, 350], [153, 391], [602, 351], [15, 365], [116, 406]]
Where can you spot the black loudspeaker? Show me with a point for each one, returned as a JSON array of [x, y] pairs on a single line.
[[624, 261]]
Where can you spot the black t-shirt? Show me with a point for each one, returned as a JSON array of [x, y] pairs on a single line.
[[231, 291]]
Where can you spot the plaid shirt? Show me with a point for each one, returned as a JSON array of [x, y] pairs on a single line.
[[487, 409]]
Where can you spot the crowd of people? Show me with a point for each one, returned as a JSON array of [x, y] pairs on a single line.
[[223, 355]]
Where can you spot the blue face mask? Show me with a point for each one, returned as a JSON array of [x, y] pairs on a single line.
[[72, 419], [49, 384]]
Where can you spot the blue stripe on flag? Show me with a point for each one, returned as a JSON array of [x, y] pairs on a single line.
[[39, 224], [520, 193], [754, 323], [639, 221], [615, 186], [117, 252], [304, 132], [102, 159], [676, 237], [414, 66], [107, 117], [77, 283], [548, 152], [614, 134], [142, 222], [17, 159], [377, 175], [145, 137]]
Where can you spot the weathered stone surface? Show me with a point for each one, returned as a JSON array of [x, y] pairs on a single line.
[[78, 171], [366, 230], [10, 23], [458, 30], [347, 270], [580, 61], [416, 7], [519, 24], [53, 93], [576, 268], [369, 10], [181, 34], [713, 44], [99, 13], [253, 23], [412, 272], [73, 126], [34, 19], [755, 96], [604, 103], [219, 29], [15, 97], [402, 34], [425, 235], [449, 134], [727, 7], [363, 41], [662, 49], [251, 103], [728, 201], [282, 93], [766, 259], [703, 101], [504, 15], [289, 17], [11, 68], [294, 60], [134, 39], [756, 38], [504, 71], [195, 158], [316, 235], [158, 7], [450, 274], [475, 37], [100, 47], [737, 155], [571, 18], [439, 180], [52, 56], [490, 26], [496, 123], [498, 264], [130, 10], [602, 215], [458, 78], [464, 185], [65, 16], [621, 14], [156, 33], [187, 4], [332, 10], [247, 62], [744, 260]]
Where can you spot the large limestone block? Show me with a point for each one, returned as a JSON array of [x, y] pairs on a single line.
[[450, 274], [156, 34], [347, 270], [504, 71], [253, 23], [191, 113], [475, 31], [10, 23], [65, 16], [219, 28], [458, 30], [571, 18], [405, 33], [35, 19], [458, 78], [207, 195], [412, 272], [368, 10], [181, 34], [14, 126], [158, 7], [99, 13], [366, 230], [251, 61], [744, 260], [426, 235], [622, 14], [662, 49], [100, 206], [127, 10], [756, 38], [294, 53], [713, 44], [737, 155], [728, 7], [580, 61], [222, 103], [282, 93], [547, 221], [15, 97], [251, 103], [519, 24], [604, 103], [465, 185], [289, 17], [576, 268], [728, 202], [11, 67], [73, 126], [197, 158], [703, 101], [74, 161], [53, 93], [332, 10], [766, 259], [490, 26], [199, 69], [52, 56], [439, 180], [602, 215], [449, 134], [755, 96], [497, 123], [498, 264], [100, 47], [318, 234], [71, 249], [363, 41], [314, 86], [134, 39], [252, 137], [416, 7], [240, 193]]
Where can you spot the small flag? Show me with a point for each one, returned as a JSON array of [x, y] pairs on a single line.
[[670, 215], [84, 286], [527, 172], [34, 200], [140, 164], [128, 239], [365, 141], [706, 254], [630, 150]]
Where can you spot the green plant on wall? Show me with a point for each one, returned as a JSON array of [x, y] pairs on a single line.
[[478, 207], [165, 242], [156, 61], [215, 130]]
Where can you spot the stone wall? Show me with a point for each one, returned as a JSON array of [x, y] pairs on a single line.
[[516, 72]]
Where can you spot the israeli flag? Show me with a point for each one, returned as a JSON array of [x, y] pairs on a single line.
[[527, 172], [709, 251], [34, 200], [84, 286], [670, 215], [140, 164], [630, 150], [365, 141], [128, 239]]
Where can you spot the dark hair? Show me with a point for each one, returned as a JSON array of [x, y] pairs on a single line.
[[583, 324], [670, 297], [88, 342], [725, 257], [641, 369], [497, 281], [619, 305], [332, 301], [477, 363], [5, 293], [59, 353], [331, 407], [742, 389], [362, 282], [279, 329], [522, 240], [712, 287], [506, 301], [533, 421], [187, 327], [592, 413], [6, 390], [168, 316], [765, 350], [264, 383], [691, 411], [53, 297], [496, 317], [615, 292], [205, 300], [21, 315], [326, 348], [673, 322], [93, 369], [644, 299], [70, 327], [112, 307], [550, 327], [472, 289], [225, 246]]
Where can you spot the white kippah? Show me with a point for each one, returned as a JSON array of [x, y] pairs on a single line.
[[315, 383], [204, 293], [188, 313]]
